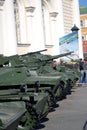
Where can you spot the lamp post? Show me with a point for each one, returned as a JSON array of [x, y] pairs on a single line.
[[80, 48], [74, 28]]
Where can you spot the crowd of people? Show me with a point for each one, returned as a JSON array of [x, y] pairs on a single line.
[[82, 65]]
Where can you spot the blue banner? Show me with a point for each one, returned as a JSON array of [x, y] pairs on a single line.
[[69, 43]]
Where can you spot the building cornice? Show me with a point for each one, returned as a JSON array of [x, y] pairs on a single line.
[[1, 4], [53, 14], [30, 9]]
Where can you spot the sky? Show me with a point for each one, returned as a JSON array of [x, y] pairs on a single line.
[[83, 3]]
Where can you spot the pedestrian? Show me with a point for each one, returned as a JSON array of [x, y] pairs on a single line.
[[82, 70], [81, 64], [54, 64], [84, 77]]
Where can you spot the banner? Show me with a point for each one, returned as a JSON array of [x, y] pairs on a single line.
[[69, 43]]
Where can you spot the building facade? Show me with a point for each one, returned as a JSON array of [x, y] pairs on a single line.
[[83, 22], [31, 25]]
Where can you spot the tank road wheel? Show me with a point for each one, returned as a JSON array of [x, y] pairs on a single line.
[[52, 99], [29, 121], [69, 86], [59, 94]]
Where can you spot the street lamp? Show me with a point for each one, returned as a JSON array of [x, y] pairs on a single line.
[[74, 28]]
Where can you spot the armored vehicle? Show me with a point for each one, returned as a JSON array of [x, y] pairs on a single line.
[[16, 60], [10, 114], [38, 67], [32, 81], [13, 88], [41, 65], [20, 110]]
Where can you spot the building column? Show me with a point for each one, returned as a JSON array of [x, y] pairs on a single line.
[[53, 16], [37, 27], [10, 42], [57, 23], [60, 19], [54, 34], [29, 20], [1, 26], [22, 23]]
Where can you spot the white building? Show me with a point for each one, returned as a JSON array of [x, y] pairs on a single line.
[[31, 25]]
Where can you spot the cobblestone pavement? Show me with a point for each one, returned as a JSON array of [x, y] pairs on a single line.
[[71, 113]]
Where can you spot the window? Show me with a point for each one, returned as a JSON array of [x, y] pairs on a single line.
[[86, 37], [81, 23], [82, 37], [85, 22]]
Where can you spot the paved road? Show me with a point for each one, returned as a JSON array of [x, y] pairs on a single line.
[[71, 113]]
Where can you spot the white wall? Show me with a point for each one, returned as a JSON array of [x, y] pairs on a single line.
[[9, 44], [77, 22]]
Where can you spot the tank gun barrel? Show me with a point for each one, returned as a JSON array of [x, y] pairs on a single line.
[[30, 53], [6, 59], [58, 56]]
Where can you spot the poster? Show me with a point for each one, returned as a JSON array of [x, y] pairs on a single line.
[[69, 43]]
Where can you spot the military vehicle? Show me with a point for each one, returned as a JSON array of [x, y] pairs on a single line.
[[39, 68], [22, 110], [10, 114], [14, 77], [45, 86], [13, 89], [41, 65], [16, 60]]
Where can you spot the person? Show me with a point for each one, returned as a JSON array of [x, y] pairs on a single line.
[[54, 64], [81, 64], [84, 77], [82, 70]]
